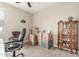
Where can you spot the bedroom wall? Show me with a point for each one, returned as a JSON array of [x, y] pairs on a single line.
[[12, 18], [78, 33], [49, 17]]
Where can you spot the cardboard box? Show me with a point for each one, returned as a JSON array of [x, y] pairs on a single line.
[[45, 40], [33, 39]]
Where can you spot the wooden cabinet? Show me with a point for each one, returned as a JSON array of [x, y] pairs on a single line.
[[68, 34], [60, 31]]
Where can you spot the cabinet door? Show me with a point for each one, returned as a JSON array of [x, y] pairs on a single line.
[[60, 31], [61, 27]]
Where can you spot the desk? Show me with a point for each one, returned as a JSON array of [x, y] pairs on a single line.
[[2, 48], [16, 34]]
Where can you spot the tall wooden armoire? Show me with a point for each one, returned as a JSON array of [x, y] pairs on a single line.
[[68, 34]]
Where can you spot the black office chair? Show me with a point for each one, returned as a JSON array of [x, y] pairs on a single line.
[[13, 46]]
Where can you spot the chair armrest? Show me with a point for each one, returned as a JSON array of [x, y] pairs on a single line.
[[12, 39], [18, 43], [12, 42]]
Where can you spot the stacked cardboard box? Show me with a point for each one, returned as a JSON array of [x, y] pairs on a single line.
[[39, 36], [48, 40], [33, 39], [45, 40], [33, 35], [42, 38]]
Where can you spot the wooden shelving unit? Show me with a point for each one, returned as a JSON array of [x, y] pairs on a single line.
[[68, 34]]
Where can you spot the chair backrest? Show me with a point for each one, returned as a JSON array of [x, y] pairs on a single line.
[[23, 34]]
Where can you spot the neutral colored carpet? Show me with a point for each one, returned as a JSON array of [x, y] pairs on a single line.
[[36, 51]]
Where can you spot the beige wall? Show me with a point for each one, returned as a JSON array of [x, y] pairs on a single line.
[[12, 20], [44, 19], [49, 17]]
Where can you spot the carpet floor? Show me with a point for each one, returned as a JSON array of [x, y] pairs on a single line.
[[36, 51]]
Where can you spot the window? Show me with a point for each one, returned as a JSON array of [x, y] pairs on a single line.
[[0, 29], [1, 22]]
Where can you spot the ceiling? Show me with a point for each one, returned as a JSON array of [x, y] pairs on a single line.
[[36, 6]]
